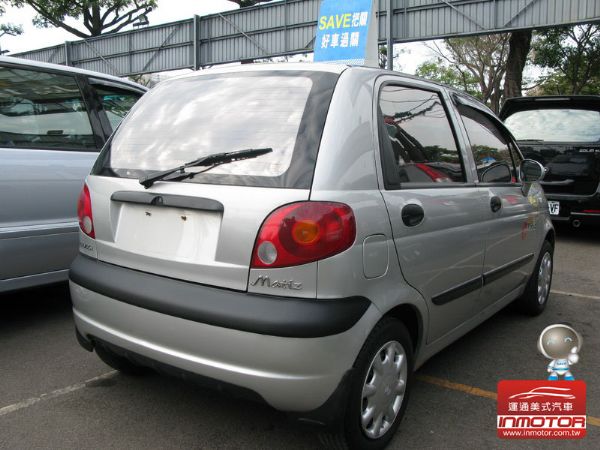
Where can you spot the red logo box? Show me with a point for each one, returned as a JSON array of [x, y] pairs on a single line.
[[538, 409]]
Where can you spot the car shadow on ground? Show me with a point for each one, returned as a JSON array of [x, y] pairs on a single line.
[[589, 233], [34, 305]]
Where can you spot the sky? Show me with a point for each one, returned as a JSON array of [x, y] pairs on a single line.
[[167, 11]]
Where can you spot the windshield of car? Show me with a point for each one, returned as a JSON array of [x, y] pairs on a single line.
[[189, 118], [555, 125]]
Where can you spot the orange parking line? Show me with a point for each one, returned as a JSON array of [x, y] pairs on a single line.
[[593, 421], [457, 386], [472, 390]]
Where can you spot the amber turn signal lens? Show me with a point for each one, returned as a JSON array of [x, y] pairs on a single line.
[[305, 232]]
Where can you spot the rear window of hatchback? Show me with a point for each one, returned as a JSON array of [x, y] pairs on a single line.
[[187, 118]]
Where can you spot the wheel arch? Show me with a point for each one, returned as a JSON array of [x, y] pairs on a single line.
[[411, 317], [551, 237]]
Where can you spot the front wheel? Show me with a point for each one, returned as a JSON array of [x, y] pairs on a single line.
[[535, 298], [379, 391]]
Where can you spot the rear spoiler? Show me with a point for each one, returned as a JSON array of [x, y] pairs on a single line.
[[513, 105]]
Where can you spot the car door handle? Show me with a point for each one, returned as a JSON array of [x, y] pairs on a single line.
[[412, 215], [557, 183], [495, 204]]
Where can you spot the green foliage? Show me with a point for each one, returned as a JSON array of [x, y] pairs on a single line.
[[98, 16], [558, 84], [439, 154], [474, 64], [573, 56], [483, 151], [382, 56], [436, 70], [10, 29]]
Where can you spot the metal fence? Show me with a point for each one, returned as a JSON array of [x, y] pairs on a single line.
[[288, 27]]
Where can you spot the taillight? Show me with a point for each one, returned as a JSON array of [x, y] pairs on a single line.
[[84, 212], [300, 233]]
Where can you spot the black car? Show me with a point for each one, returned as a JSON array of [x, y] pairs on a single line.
[[562, 133]]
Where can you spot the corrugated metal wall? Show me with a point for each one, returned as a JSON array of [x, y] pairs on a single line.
[[288, 27]]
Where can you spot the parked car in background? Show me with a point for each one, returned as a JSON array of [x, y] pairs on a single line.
[[306, 235], [562, 133], [53, 122]]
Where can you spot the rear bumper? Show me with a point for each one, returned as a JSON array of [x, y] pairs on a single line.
[[577, 207], [255, 313], [296, 374]]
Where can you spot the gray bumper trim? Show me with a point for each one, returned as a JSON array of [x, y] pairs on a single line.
[[261, 314]]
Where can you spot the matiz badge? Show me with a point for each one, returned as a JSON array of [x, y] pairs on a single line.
[[277, 284]]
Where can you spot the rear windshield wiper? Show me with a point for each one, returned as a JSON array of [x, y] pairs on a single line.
[[211, 160]]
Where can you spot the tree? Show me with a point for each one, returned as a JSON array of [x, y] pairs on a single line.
[[9, 29], [382, 56], [99, 16], [437, 70], [557, 84], [478, 63], [573, 56], [519, 46]]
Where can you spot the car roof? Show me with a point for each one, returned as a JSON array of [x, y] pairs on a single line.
[[297, 66], [516, 104], [315, 67], [66, 69]]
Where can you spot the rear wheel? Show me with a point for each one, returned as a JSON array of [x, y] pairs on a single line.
[[379, 391], [118, 362], [535, 298]]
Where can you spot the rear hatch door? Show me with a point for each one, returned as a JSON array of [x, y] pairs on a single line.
[[562, 133], [203, 229], [193, 232]]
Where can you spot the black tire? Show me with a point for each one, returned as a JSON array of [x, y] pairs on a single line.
[[351, 435], [529, 303], [118, 362]]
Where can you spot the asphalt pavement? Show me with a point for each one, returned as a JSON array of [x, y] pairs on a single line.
[[53, 394]]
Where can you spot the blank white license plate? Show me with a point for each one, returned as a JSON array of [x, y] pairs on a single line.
[[554, 208]]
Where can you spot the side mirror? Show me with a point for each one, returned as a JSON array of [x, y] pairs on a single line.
[[497, 173], [531, 171]]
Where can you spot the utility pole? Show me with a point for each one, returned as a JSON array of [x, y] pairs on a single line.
[[390, 35]]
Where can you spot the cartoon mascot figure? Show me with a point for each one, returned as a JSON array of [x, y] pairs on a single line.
[[562, 344]]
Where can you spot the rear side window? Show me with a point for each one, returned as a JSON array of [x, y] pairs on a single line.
[[417, 141], [116, 102], [42, 110], [489, 145], [188, 118], [555, 125]]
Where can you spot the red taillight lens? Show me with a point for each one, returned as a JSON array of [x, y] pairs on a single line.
[[84, 212], [300, 233]]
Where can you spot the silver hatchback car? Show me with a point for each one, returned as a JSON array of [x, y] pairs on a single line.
[[53, 122], [307, 235]]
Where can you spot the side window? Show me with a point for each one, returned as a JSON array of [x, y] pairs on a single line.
[[116, 102], [490, 147], [417, 142], [42, 110]]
